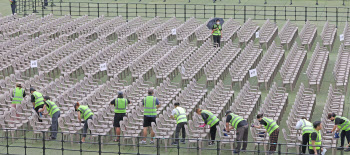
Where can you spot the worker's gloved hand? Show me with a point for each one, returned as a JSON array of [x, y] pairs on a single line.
[[252, 125], [202, 125], [328, 131]]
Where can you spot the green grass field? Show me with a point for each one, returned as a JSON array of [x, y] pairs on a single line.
[[321, 96]]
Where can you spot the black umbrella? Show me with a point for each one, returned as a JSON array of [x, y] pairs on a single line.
[[213, 21]]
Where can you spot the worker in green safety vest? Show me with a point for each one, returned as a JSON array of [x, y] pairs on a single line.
[[211, 120], [84, 112], [17, 96], [241, 127], [150, 106], [217, 33], [120, 105], [179, 114], [343, 124], [54, 111], [37, 100], [306, 127], [316, 139], [13, 6], [271, 127]]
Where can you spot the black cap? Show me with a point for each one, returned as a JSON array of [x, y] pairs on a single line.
[[46, 97], [120, 93], [32, 89], [176, 104], [228, 112]]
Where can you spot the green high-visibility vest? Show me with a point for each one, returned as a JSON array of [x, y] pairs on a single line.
[[120, 105], [212, 119], [39, 100], [306, 127], [271, 125], [217, 32], [52, 108], [150, 105], [344, 126], [235, 120], [17, 95], [180, 115], [85, 111], [318, 141]]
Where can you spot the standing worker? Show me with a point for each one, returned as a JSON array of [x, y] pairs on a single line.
[[37, 101], [179, 114], [307, 128], [211, 120], [53, 110], [13, 6], [272, 128], [316, 139], [18, 94], [151, 104], [85, 112], [241, 127], [217, 33], [120, 105], [341, 123]]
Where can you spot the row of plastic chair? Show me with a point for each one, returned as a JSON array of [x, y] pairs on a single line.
[[308, 35], [247, 32], [288, 34], [268, 33], [342, 68], [328, 35]]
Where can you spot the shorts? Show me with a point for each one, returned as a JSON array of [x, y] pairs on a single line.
[[117, 118], [148, 120]]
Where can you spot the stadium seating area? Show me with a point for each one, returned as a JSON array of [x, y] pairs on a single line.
[[69, 52]]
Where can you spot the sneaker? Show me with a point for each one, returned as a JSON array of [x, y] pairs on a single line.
[[143, 142], [151, 142], [235, 152], [182, 141], [174, 143], [347, 150], [211, 143]]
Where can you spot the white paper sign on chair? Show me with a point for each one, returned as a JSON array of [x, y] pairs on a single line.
[[183, 70], [103, 67], [257, 34], [34, 64], [341, 37], [173, 31], [252, 72]]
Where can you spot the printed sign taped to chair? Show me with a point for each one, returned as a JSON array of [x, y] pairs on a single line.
[[257, 34], [183, 70], [252, 72], [173, 31], [34, 64], [103, 67]]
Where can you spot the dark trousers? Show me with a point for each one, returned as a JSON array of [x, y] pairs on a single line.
[[37, 109], [274, 140], [45, 3], [343, 135], [213, 132], [311, 151], [13, 8], [305, 142], [54, 124], [86, 126], [217, 39], [177, 131], [242, 135]]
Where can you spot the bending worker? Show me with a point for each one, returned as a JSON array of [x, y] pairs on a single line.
[[85, 112], [37, 100], [217, 33], [316, 139], [241, 127], [211, 120], [120, 105], [307, 128], [179, 114], [341, 123], [272, 128], [151, 104], [18, 94], [54, 112]]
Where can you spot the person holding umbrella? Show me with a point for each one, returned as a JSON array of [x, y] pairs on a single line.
[[217, 32]]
